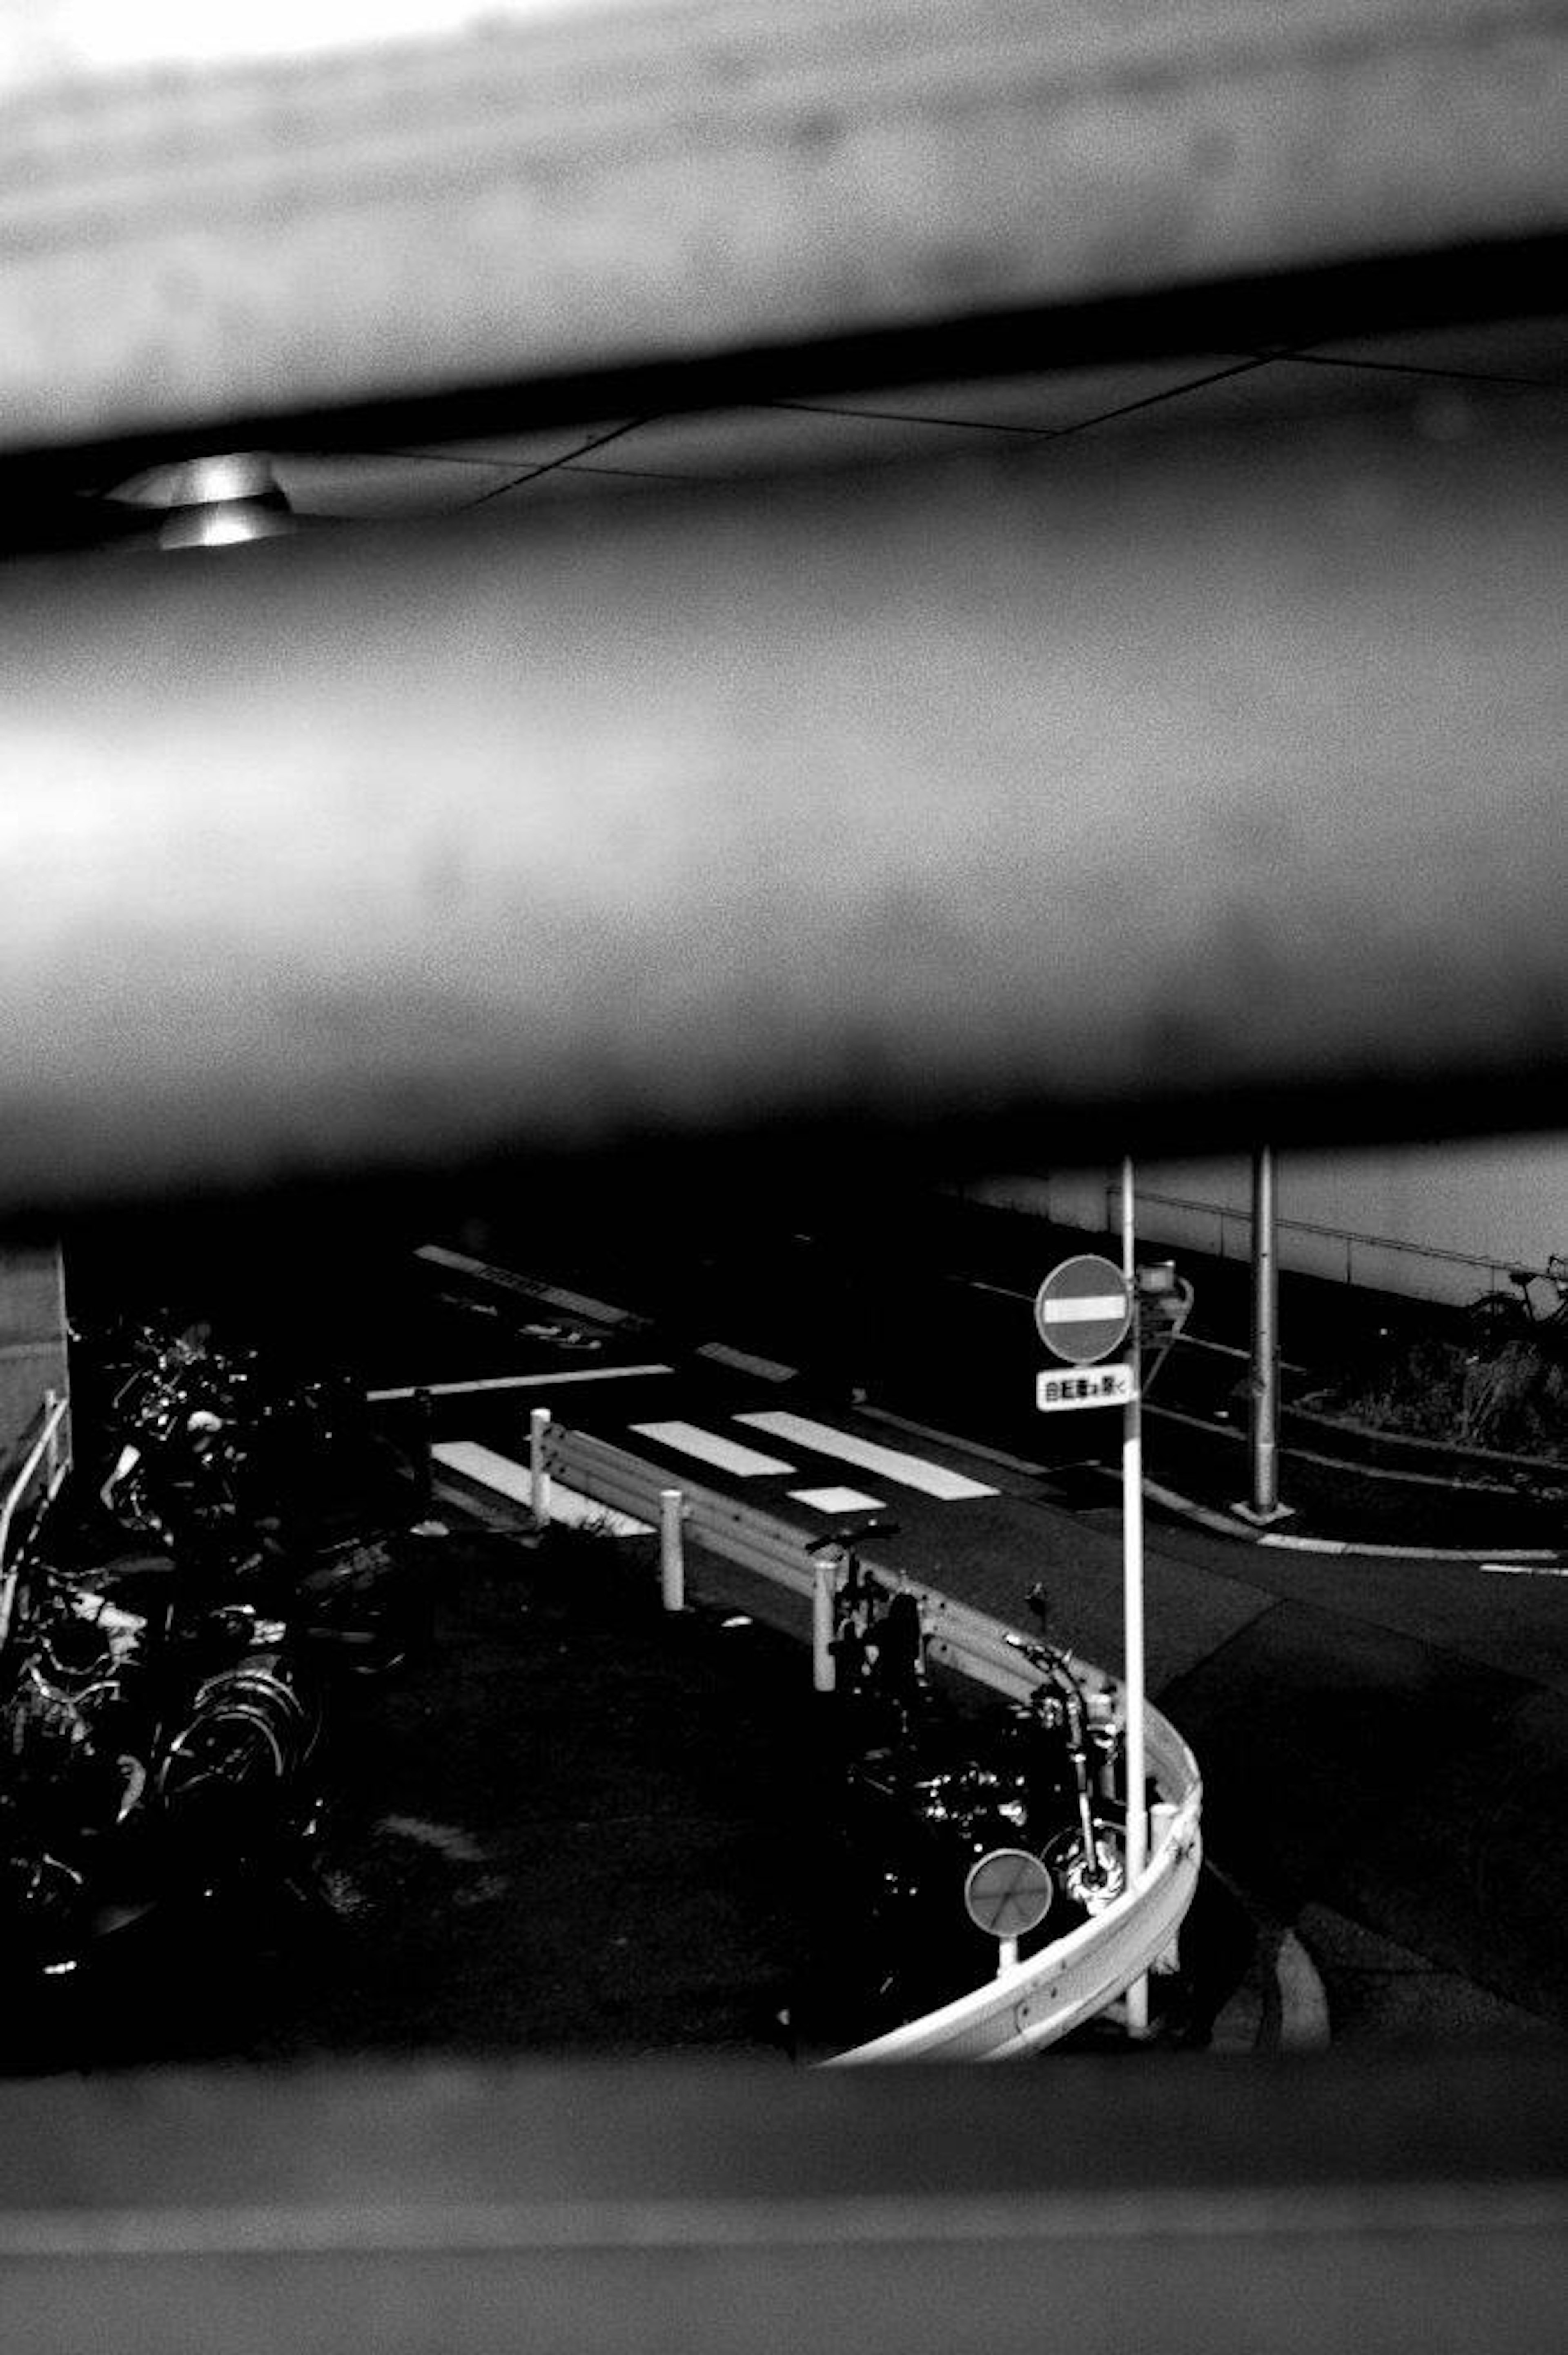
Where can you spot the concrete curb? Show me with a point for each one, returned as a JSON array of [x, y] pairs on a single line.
[[1281, 2005], [1538, 1464], [1228, 1525]]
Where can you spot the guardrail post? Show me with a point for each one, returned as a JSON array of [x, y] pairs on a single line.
[[538, 1469], [672, 1560], [424, 1470], [1161, 1816], [824, 1587]]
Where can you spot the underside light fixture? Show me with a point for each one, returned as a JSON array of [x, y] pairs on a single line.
[[213, 502]]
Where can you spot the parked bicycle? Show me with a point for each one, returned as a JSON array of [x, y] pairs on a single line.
[[1498, 1318]]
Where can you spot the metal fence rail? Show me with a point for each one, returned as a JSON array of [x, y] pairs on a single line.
[[1074, 1979], [1490, 1273]]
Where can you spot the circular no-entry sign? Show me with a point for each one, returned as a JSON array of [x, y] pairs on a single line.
[[1008, 1893], [1083, 1308]]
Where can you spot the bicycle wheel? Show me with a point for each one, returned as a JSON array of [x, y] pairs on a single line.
[[1497, 1317]]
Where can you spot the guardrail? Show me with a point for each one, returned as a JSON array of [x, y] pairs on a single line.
[[50, 1455], [1037, 2001], [1489, 1273]]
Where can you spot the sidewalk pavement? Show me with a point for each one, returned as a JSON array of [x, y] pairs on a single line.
[[1337, 1500], [1201, 1472]]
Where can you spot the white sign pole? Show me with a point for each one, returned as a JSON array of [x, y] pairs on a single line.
[[1132, 1600]]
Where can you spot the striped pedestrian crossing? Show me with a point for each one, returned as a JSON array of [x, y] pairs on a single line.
[[712, 1447], [489, 1469], [866, 1455], [837, 1500]]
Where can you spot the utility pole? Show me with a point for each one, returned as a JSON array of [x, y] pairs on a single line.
[[1132, 1593], [1263, 1406]]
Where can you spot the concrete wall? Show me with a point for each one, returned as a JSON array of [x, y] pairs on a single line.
[[32, 1341], [1504, 1200]]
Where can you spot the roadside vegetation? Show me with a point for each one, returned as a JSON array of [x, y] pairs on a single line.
[[1510, 1397]]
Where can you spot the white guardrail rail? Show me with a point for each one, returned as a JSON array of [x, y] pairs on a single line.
[[37, 1476], [1041, 1999]]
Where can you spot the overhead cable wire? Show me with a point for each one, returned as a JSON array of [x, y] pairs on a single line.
[[1414, 367], [1037, 432], [566, 458], [573, 465]]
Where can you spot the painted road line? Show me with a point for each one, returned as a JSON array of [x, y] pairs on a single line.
[[743, 1362], [515, 1382], [908, 1471], [599, 1311], [1527, 1569], [712, 1447], [498, 1471], [837, 1500], [956, 1440]]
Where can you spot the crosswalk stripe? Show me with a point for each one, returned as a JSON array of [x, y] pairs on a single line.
[[492, 1470], [908, 1471], [744, 1362], [712, 1447], [836, 1500]]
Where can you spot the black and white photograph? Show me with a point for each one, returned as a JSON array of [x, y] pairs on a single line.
[[783, 1177]]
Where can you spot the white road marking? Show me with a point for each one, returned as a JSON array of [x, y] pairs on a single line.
[[513, 1382], [1527, 1569], [744, 1363], [577, 1303], [568, 1506], [908, 1471], [711, 1448], [965, 1447], [837, 1500], [447, 1839], [1085, 1306]]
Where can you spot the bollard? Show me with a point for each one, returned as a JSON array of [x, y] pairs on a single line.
[[1161, 1816], [671, 1563], [423, 1468], [825, 1569], [538, 1470]]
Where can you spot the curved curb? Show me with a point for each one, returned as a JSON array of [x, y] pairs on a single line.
[[1303, 1999], [1227, 1525], [1282, 2005]]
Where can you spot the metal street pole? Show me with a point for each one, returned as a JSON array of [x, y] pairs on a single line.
[[1262, 1416], [1132, 1596]]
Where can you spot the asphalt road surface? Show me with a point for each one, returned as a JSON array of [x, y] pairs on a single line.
[[1384, 1744]]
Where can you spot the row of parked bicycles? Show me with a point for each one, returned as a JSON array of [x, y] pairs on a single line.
[[930, 1787], [233, 1544]]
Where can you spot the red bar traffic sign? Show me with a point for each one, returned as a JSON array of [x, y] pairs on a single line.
[[1083, 1308]]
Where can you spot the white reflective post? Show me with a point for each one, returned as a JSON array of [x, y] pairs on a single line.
[[51, 1442], [538, 1469], [1006, 1954], [825, 1567], [671, 1561], [1132, 1597]]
